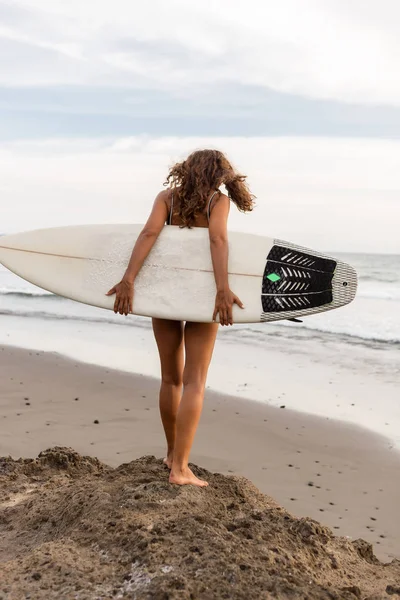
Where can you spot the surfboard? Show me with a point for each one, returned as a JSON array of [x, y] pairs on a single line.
[[274, 279]]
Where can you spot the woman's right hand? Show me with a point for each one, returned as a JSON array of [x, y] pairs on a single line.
[[123, 297], [224, 301]]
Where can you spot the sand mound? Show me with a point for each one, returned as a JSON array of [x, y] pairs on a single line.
[[73, 528]]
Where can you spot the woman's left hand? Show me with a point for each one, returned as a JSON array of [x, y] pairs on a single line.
[[124, 297]]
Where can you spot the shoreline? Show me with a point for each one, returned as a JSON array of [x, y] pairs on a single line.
[[339, 474], [331, 380]]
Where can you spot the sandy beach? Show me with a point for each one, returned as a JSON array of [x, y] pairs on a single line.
[[343, 476]]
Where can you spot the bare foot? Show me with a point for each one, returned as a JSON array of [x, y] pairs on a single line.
[[168, 460], [186, 477]]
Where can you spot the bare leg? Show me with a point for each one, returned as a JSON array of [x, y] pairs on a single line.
[[199, 345], [169, 338]]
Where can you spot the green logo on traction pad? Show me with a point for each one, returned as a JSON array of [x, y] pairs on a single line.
[[273, 277]]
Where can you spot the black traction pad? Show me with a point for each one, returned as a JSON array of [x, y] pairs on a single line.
[[294, 280]]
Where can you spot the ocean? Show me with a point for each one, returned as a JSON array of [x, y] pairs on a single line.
[[359, 344], [373, 317]]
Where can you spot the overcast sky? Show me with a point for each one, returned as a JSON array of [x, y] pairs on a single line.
[[98, 98]]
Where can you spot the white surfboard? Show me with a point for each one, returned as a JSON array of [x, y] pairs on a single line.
[[274, 279]]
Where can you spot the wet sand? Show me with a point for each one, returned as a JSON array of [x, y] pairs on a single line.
[[340, 475]]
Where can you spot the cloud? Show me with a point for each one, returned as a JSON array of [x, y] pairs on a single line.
[[333, 195], [98, 98], [344, 51], [225, 110]]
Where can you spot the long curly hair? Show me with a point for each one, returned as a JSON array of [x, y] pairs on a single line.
[[195, 178]]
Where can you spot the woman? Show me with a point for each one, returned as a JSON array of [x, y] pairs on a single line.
[[193, 199]]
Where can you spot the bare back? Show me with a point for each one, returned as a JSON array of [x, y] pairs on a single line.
[[202, 220]]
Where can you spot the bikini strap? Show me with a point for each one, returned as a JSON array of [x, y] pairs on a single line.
[[209, 204], [171, 210]]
